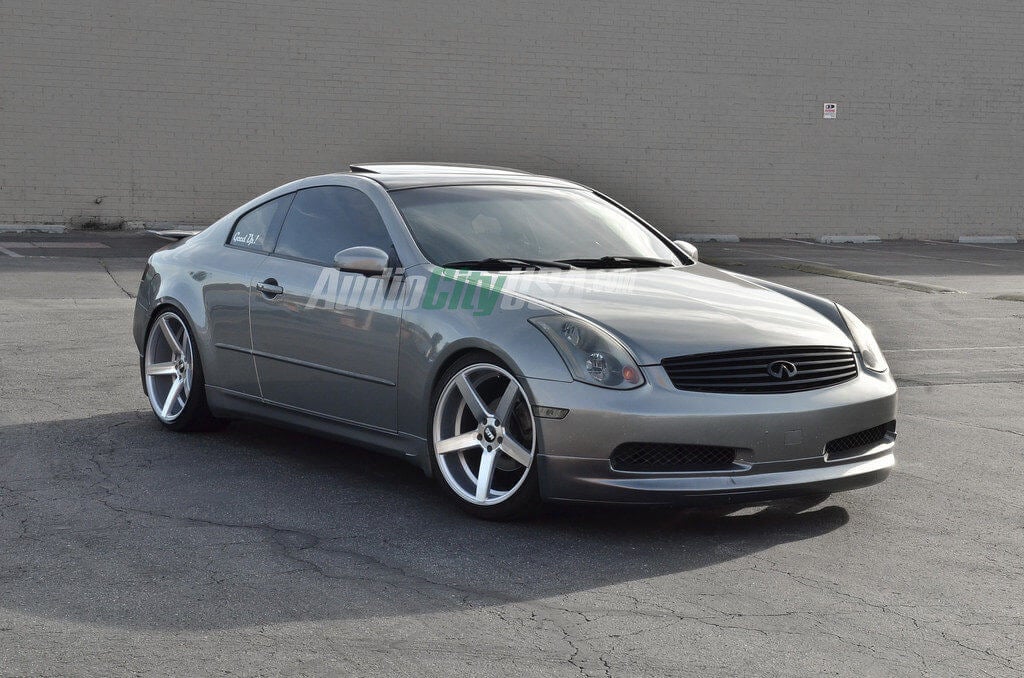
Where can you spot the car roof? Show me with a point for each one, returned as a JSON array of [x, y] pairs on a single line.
[[401, 175]]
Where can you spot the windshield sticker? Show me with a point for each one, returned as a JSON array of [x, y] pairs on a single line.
[[247, 239]]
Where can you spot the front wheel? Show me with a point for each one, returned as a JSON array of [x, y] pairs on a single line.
[[172, 373], [485, 440]]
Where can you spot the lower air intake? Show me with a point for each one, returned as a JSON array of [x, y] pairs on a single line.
[[668, 458], [855, 441]]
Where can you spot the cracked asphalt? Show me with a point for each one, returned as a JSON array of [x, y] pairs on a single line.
[[128, 550]]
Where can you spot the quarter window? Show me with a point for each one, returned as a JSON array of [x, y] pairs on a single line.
[[253, 230], [323, 221]]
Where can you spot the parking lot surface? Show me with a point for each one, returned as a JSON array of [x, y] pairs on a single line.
[[253, 551]]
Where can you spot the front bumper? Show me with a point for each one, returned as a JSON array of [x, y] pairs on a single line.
[[575, 479], [781, 440]]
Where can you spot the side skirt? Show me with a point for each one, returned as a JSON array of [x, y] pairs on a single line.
[[234, 405]]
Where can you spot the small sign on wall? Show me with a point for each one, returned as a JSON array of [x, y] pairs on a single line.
[[830, 112]]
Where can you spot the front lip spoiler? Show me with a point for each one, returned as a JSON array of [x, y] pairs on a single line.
[[591, 480]]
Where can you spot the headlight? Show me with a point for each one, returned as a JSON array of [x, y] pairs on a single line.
[[591, 354], [870, 353]]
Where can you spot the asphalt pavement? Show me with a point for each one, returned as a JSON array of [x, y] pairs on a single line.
[[128, 550]]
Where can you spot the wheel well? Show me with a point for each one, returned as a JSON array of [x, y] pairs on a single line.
[[160, 308], [156, 311], [462, 352]]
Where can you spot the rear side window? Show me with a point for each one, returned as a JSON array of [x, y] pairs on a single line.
[[323, 221], [254, 231]]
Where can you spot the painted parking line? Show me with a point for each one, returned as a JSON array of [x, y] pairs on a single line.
[[980, 247], [9, 247], [818, 268], [899, 254]]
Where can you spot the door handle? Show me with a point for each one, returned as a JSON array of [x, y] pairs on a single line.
[[269, 288]]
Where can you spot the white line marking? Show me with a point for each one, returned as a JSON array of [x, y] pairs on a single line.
[[900, 254], [4, 250], [805, 242], [72, 245], [988, 239], [980, 247], [778, 256]]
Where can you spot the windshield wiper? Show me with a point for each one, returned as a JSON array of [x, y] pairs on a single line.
[[617, 262], [502, 263]]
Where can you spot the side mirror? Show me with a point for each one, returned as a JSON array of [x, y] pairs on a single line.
[[369, 261], [689, 249]]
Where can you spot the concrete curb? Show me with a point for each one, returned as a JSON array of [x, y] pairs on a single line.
[[708, 237], [92, 228], [868, 278], [33, 228], [856, 239]]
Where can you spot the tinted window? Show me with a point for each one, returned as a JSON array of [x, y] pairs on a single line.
[[325, 220], [252, 231], [456, 223]]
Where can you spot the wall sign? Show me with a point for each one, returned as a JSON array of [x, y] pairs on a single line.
[[830, 112]]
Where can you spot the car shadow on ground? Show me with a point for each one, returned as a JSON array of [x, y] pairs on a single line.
[[113, 520]]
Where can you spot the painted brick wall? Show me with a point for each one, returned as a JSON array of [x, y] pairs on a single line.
[[704, 115]]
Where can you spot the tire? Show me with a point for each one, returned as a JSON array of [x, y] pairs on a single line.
[[468, 433], [171, 364]]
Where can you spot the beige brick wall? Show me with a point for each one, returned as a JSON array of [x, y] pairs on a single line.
[[703, 115]]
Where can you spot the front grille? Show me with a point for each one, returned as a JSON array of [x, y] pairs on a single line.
[[871, 436], [667, 457], [747, 371]]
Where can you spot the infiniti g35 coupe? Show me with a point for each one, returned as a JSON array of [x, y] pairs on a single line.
[[521, 338]]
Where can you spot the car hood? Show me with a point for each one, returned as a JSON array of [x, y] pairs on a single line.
[[665, 312]]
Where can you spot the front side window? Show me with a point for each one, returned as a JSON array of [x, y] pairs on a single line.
[[253, 230], [323, 221], [458, 223]]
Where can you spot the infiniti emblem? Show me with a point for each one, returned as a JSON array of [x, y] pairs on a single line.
[[782, 369]]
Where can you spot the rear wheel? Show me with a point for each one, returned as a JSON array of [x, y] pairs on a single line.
[[485, 440], [172, 373]]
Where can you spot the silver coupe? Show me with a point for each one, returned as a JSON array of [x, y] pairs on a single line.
[[521, 338]]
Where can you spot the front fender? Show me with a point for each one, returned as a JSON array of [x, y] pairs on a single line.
[[433, 337]]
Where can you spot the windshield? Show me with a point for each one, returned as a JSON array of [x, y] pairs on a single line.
[[469, 223]]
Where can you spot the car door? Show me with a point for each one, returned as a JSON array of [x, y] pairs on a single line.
[[226, 279], [325, 341]]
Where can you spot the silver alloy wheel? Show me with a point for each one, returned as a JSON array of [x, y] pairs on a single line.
[[484, 434], [168, 366]]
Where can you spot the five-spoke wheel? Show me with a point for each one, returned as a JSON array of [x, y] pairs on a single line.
[[485, 438], [173, 376]]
